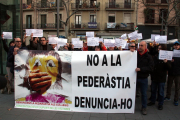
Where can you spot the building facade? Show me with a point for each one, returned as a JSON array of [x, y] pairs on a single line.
[[107, 18], [151, 15], [9, 22]]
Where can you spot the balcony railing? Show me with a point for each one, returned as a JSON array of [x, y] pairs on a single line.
[[28, 6], [49, 26], [49, 5], [86, 6], [115, 5], [89, 25], [155, 2], [150, 1], [28, 26], [119, 26]]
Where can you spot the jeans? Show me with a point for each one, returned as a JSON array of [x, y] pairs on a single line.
[[160, 87], [143, 85]]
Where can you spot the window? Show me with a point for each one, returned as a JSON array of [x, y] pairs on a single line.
[[43, 3], [163, 1], [149, 15], [150, 1], [127, 18], [43, 21], [29, 2], [93, 3], [111, 18], [112, 3], [28, 21], [78, 21], [60, 24], [92, 18], [164, 13], [127, 3]]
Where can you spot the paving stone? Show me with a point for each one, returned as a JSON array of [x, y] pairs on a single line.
[[151, 117], [14, 111], [116, 116], [62, 117], [80, 116], [98, 118], [46, 114], [8, 117], [99, 115]]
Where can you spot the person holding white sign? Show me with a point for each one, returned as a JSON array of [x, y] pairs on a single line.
[[42, 45], [101, 47], [144, 67], [174, 76], [158, 77]]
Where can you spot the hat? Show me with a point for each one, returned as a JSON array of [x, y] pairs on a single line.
[[176, 43]]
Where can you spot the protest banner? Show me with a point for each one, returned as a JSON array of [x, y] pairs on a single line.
[[7, 35], [109, 42], [93, 41], [161, 39], [36, 32], [52, 40], [153, 36], [164, 54], [124, 36], [90, 34], [78, 44], [176, 53], [55, 81], [120, 42]]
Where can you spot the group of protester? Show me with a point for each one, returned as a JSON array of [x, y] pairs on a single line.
[[148, 63]]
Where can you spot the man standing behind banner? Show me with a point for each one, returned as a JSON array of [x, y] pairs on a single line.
[[144, 67], [43, 45], [13, 51]]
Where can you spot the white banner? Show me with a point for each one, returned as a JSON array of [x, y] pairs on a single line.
[[92, 81], [164, 54], [93, 41], [161, 39], [7, 35]]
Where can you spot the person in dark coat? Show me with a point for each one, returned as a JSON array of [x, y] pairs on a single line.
[[174, 76], [144, 67], [13, 51], [158, 77], [42, 45], [8, 64]]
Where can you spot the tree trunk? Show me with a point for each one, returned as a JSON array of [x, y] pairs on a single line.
[[166, 30], [66, 31]]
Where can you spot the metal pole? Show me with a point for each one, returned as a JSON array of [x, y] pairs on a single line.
[[21, 20], [162, 22], [57, 18]]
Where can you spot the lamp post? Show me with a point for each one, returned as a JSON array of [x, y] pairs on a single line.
[[57, 18]]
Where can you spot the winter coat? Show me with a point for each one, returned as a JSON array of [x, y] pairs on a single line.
[[145, 63], [159, 72]]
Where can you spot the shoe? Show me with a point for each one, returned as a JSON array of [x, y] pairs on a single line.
[[144, 111], [176, 103], [150, 103], [160, 107], [167, 99]]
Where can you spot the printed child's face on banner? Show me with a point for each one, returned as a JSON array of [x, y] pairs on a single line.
[[45, 63]]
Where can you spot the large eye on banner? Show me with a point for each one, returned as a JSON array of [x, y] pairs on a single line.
[[101, 81], [104, 81]]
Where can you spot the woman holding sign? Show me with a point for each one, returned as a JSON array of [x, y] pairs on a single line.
[[158, 77]]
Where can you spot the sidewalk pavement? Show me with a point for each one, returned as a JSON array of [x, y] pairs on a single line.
[[8, 112]]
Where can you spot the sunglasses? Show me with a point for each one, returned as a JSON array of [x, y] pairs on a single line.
[[132, 46], [17, 41]]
